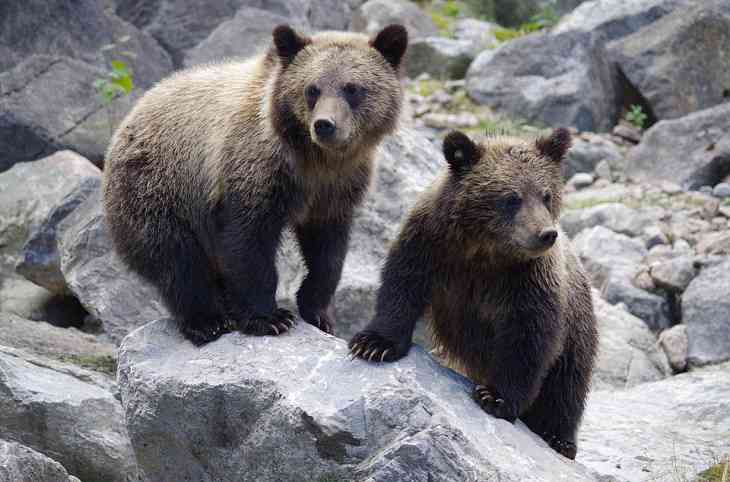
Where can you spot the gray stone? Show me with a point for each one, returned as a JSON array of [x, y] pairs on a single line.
[[706, 312], [548, 79], [225, 411], [655, 236], [714, 243], [693, 150], [613, 193], [581, 180], [111, 293], [614, 216], [617, 18], [247, 33], [19, 463], [374, 15], [66, 413], [722, 190], [603, 170], [47, 98], [627, 352], [63, 344], [613, 260], [675, 344], [588, 152], [441, 58], [479, 34], [670, 429], [663, 60], [30, 191], [440, 120], [628, 132], [674, 275]]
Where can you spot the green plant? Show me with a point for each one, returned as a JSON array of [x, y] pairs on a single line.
[[636, 116], [545, 18], [450, 9]]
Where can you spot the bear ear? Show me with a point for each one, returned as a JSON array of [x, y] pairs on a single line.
[[392, 43], [288, 43], [556, 145], [460, 152]]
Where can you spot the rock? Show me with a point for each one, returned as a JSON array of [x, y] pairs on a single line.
[[692, 150], [653, 430], [613, 193], [407, 164], [706, 312], [603, 170], [722, 190], [628, 132], [616, 18], [21, 464], [225, 411], [612, 261], [627, 353], [587, 152], [480, 35], [47, 98], [450, 121], [374, 15], [615, 216], [661, 61], [581, 180], [247, 33], [41, 262], [671, 188], [441, 58], [548, 79], [67, 414], [673, 275], [714, 243], [654, 236], [20, 297], [30, 191], [675, 344], [111, 293], [63, 344]]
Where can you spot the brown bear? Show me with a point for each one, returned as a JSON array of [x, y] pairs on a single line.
[[213, 163], [509, 305]]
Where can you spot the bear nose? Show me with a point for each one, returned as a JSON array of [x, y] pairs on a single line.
[[324, 128], [548, 237]]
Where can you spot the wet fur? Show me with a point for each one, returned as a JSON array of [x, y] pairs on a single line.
[[519, 325], [211, 166]]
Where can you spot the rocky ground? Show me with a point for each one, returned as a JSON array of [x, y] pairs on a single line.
[[648, 210]]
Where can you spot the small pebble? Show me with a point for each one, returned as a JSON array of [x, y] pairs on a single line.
[[722, 190]]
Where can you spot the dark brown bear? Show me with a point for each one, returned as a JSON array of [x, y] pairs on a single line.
[[509, 304], [215, 162]]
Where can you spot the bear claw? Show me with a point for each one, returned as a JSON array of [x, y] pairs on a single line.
[[372, 347], [492, 404], [276, 323], [206, 333], [563, 447]]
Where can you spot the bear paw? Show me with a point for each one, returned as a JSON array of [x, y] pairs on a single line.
[[202, 333], [565, 448], [276, 323], [372, 347], [322, 319], [493, 404]]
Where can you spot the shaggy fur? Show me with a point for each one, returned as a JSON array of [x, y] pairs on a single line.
[[508, 301], [213, 163]]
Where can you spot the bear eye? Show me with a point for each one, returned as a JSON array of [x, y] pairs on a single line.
[[510, 204], [353, 94], [312, 94], [547, 197]]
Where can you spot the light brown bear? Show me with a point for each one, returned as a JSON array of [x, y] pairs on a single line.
[[482, 256], [212, 164]]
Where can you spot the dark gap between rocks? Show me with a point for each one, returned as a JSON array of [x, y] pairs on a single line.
[[629, 95]]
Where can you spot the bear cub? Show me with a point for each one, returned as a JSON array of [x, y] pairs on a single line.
[[482, 256], [212, 164]]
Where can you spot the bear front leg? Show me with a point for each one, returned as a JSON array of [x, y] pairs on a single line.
[[404, 293], [324, 246], [248, 263]]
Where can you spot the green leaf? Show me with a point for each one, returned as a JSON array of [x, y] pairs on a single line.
[[124, 83], [120, 67]]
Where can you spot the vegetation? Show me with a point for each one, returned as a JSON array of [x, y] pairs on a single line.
[[103, 363], [717, 473], [636, 116], [118, 81]]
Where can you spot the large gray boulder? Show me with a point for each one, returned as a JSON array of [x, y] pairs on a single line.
[[587, 152], [294, 407], [706, 312], [440, 57], [29, 192], [627, 354], [479, 35], [666, 430], [66, 413], [547, 79], [96, 276], [616, 18], [693, 150], [679, 63], [47, 97], [19, 463], [374, 15]]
